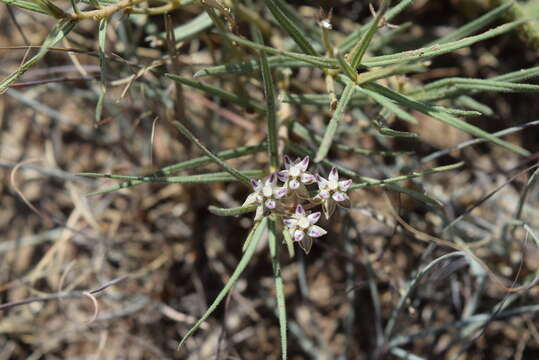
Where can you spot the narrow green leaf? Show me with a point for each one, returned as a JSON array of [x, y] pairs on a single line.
[[470, 103], [519, 75], [352, 39], [189, 179], [57, 33], [191, 28], [464, 144], [231, 211], [185, 132], [248, 67], [395, 133], [102, 38], [474, 25], [360, 49], [279, 288], [444, 117], [355, 176], [186, 165], [346, 68], [412, 175], [27, 5], [387, 71], [438, 49], [319, 61], [257, 231], [271, 106], [321, 99], [388, 104], [291, 28], [334, 122], [51, 9], [223, 94], [306, 135]]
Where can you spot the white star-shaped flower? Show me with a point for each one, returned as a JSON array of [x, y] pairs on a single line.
[[303, 229], [266, 195], [295, 176], [332, 192]]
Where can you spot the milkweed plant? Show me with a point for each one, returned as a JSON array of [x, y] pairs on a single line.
[[364, 70]]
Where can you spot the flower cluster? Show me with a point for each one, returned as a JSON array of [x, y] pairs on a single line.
[[291, 200]]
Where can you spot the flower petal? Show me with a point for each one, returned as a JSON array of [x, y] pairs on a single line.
[[304, 164], [333, 174], [321, 181], [345, 185], [272, 179], [251, 199], [283, 175], [307, 178], [300, 211], [267, 190], [290, 223], [339, 196], [287, 162], [324, 194], [256, 184], [316, 231], [314, 217], [280, 192], [298, 235]]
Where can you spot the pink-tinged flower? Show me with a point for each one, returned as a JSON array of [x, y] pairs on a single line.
[[332, 192], [303, 229], [266, 195], [295, 176]]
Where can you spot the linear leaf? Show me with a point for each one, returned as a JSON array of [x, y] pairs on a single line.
[[27, 5], [223, 94], [279, 288], [231, 211], [438, 49], [248, 67], [57, 33], [334, 122], [444, 117], [191, 28], [321, 99], [185, 132], [387, 103], [355, 176], [412, 175], [361, 48], [319, 61], [257, 231], [102, 38], [186, 165], [306, 135], [271, 106], [291, 28], [353, 38], [189, 179], [474, 25]]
